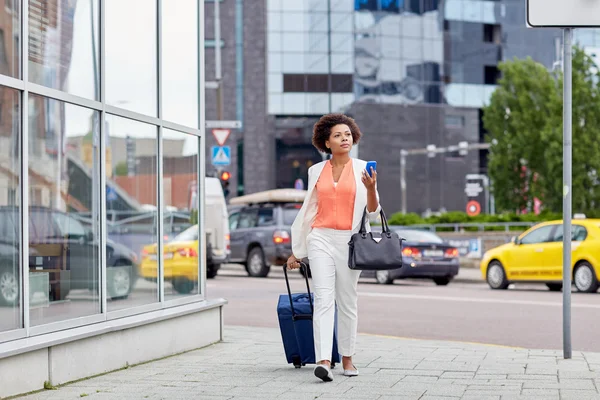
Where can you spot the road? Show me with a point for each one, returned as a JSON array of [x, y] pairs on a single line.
[[525, 316]]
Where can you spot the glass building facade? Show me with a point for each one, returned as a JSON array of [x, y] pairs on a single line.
[[414, 72], [101, 159]]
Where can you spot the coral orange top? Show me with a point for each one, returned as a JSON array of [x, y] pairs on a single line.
[[335, 202]]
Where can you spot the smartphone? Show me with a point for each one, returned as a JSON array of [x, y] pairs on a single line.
[[372, 164]]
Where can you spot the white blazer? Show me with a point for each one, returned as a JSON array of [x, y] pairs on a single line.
[[302, 225]]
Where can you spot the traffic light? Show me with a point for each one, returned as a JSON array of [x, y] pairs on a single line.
[[225, 175]]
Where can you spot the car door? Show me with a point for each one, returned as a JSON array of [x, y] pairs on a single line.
[[528, 255], [554, 252], [234, 236], [83, 252], [241, 236]]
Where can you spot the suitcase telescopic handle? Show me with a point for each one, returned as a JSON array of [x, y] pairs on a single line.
[[304, 267]]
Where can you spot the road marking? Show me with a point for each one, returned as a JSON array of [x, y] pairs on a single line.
[[475, 300], [442, 340]]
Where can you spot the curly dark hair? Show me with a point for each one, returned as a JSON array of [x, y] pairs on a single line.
[[322, 130]]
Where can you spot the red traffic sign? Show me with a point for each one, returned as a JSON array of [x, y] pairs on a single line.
[[221, 135], [473, 208]]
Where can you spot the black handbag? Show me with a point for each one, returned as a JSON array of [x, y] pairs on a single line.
[[375, 251]]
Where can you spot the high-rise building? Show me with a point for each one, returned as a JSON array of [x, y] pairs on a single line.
[[412, 72]]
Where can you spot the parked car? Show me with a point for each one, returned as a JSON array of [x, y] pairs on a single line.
[[425, 255], [62, 247], [260, 228], [181, 261], [536, 256]]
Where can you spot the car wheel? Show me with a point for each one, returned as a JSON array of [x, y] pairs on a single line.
[[119, 285], [9, 287], [182, 285], [383, 277], [496, 277], [257, 267], [554, 287], [441, 281], [585, 278]]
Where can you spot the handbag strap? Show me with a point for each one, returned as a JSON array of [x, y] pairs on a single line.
[[385, 227], [304, 267]]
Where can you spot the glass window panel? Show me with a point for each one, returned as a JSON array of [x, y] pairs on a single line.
[[64, 46], [317, 22], [341, 5], [63, 217], [340, 101], [432, 93], [274, 41], [274, 22], [412, 48], [275, 83], [342, 42], [412, 25], [342, 63], [180, 62], [180, 187], [274, 5], [342, 22], [391, 70], [294, 62], [10, 38], [131, 76], [131, 179], [294, 41], [275, 105], [318, 42], [275, 62], [316, 63], [391, 25], [455, 94], [294, 22], [317, 103], [287, 6], [294, 103], [433, 50], [319, 5], [10, 285], [391, 47]]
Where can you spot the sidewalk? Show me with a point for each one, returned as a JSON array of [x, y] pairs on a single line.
[[250, 364]]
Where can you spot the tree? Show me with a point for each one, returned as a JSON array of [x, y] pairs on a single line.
[[121, 169], [524, 121]]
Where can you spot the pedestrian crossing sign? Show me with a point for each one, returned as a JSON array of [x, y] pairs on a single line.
[[221, 155]]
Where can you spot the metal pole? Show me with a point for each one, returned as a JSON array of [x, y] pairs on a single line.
[[218, 77], [403, 179], [567, 176]]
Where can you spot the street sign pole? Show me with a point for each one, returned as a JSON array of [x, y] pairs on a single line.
[[567, 182]]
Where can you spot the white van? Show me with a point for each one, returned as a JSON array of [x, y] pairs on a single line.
[[216, 225]]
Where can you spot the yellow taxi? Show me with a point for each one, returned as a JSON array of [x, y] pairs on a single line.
[[537, 256], [180, 258]]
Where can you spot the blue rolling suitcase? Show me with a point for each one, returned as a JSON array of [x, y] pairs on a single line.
[[295, 313]]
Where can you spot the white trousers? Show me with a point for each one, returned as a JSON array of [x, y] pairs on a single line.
[[333, 282]]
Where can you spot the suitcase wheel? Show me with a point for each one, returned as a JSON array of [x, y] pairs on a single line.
[[332, 365], [303, 364], [297, 361], [297, 366]]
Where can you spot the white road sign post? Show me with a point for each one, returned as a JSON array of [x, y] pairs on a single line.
[[566, 15]]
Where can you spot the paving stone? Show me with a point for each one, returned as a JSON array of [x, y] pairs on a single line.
[[250, 364]]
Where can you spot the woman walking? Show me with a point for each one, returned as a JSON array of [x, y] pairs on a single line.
[[338, 191]]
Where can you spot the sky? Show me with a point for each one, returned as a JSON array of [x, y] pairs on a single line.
[[131, 63]]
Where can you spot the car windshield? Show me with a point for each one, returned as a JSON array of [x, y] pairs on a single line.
[[188, 235], [289, 214], [419, 236]]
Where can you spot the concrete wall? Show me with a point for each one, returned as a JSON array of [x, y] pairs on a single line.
[[93, 355]]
